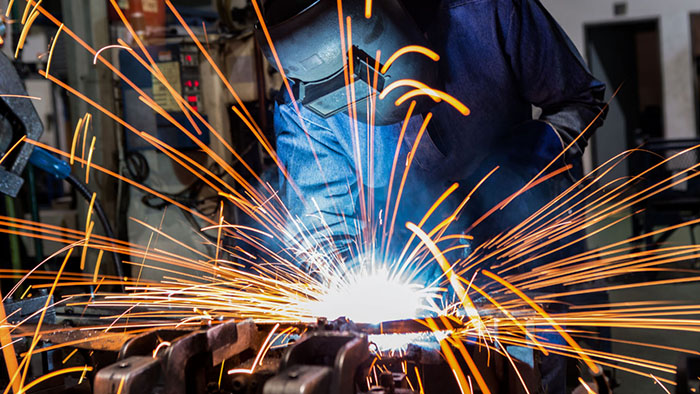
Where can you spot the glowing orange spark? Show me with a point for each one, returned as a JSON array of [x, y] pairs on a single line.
[[25, 31], [448, 271], [52, 374], [659, 383], [89, 160], [408, 83], [420, 383], [449, 355], [415, 93], [21, 96], [8, 350], [97, 265], [160, 346], [9, 8], [25, 292], [368, 13], [411, 155], [53, 45], [511, 317], [588, 388], [440, 96], [89, 211], [409, 113], [263, 350], [16, 144], [221, 372], [206, 35], [88, 232], [82, 375], [515, 368], [408, 49], [593, 367], [426, 90], [97, 54], [65, 360], [76, 133], [26, 12], [467, 358], [86, 125], [41, 317], [121, 385]]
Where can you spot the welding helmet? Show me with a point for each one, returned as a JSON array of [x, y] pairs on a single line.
[[307, 38]]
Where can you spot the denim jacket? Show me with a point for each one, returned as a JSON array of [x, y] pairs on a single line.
[[498, 57]]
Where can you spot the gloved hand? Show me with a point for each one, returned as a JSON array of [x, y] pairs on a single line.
[[536, 143]]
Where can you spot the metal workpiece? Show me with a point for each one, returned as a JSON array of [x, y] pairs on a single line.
[[138, 374], [306, 379], [321, 362], [28, 310], [230, 339], [20, 119], [174, 361]]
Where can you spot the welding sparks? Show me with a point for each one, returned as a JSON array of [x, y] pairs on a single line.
[[373, 296], [21, 96], [300, 281], [97, 54]]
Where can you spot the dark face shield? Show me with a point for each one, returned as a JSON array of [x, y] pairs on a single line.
[[307, 37]]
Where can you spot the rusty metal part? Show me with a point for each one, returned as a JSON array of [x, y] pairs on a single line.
[[133, 375], [322, 362], [220, 340], [89, 339], [181, 367], [22, 119]]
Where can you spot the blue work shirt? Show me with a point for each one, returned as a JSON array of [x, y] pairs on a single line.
[[498, 57]]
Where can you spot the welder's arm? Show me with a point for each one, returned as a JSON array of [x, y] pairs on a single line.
[[552, 74]]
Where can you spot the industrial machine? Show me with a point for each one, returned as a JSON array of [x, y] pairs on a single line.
[[338, 357], [18, 119], [234, 357]]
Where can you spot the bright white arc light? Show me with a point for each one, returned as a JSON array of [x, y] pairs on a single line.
[[373, 297]]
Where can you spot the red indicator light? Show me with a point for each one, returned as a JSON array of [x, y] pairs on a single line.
[[188, 84], [194, 107], [192, 99], [196, 84], [188, 58]]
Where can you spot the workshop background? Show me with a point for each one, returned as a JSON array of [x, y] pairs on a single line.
[[649, 48]]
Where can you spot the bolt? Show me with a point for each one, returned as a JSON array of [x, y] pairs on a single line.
[[293, 374], [124, 365], [238, 384]]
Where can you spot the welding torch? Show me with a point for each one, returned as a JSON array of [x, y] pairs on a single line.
[[61, 170]]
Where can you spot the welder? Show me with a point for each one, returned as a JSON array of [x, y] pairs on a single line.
[[528, 90]]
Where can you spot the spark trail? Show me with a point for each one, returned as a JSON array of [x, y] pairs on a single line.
[[280, 271]]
